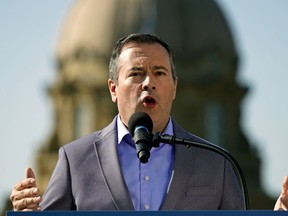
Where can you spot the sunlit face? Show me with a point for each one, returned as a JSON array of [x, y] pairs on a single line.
[[145, 83]]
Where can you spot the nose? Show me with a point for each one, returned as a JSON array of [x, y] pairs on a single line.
[[148, 83]]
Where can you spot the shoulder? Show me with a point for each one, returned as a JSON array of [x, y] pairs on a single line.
[[182, 133], [202, 149], [88, 141]]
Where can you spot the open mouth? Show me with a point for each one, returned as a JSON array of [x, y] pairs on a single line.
[[149, 102]]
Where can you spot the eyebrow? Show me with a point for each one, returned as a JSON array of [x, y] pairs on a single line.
[[153, 67], [136, 68], [159, 67]]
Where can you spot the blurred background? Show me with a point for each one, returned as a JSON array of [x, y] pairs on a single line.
[[38, 41]]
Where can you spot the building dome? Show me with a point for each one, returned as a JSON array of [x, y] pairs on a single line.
[[193, 25], [96, 25], [93, 26], [200, 37]]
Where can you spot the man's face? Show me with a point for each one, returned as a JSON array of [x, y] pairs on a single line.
[[145, 83]]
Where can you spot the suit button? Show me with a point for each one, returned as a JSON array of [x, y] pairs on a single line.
[[146, 207]]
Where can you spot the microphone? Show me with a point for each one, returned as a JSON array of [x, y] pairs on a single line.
[[140, 126]]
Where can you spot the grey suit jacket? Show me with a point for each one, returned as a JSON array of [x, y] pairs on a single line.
[[88, 177]]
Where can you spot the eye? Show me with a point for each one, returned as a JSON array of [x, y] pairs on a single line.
[[135, 73], [160, 73]]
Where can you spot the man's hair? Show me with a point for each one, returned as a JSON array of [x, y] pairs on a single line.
[[137, 38]]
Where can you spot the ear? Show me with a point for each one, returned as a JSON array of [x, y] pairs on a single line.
[[175, 87], [113, 90]]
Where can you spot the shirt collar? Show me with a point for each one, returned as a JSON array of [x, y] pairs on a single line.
[[122, 129]]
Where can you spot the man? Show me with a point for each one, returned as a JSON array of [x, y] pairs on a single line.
[[102, 172]]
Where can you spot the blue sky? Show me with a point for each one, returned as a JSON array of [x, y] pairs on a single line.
[[28, 35], [260, 31]]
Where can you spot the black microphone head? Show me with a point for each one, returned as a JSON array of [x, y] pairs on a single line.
[[139, 119]]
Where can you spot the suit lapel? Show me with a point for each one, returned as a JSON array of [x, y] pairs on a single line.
[[182, 170], [106, 150]]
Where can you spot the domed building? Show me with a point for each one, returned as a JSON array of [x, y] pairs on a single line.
[[208, 97]]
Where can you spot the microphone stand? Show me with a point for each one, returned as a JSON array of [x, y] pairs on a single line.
[[158, 138]]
